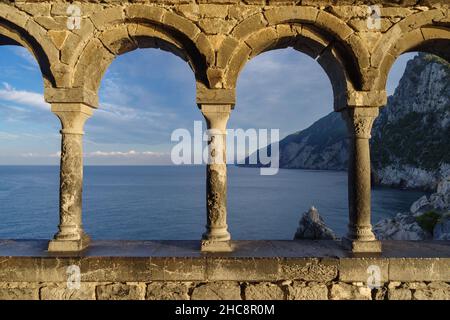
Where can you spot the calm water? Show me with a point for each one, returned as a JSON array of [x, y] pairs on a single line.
[[169, 202]]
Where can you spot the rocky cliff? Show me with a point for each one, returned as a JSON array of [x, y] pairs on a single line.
[[410, 139]]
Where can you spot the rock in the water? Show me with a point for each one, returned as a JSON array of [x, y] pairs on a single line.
[[401, 227], [441, 199], [441, 230], [420, 206], [427, 215], [312, 226], [438, 201]]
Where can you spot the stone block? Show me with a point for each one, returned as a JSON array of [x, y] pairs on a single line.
[[308, 269], [52, 23], [307, 291], [160, 290], [224, 290], [264, 291], [236, 63], [262, 40], [205, 48], [215, 96], [248, 269], [399, 294], [35, 9], [434, 291], [151, 13], [19, 291], [287, 14], [240, 13], [60, 291], [354, 270], [410, 269], [179, 269], [225, 51], [213, 10], [117, 40], [108, 16], [248, 26], [181, 24], [345, 291], [58, 37], [216, 25], [120, 291]]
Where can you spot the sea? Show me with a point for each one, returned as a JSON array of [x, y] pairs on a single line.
[[168, 202]]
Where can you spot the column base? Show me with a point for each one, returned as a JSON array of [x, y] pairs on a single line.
[[358, 246], [216, 246], [56, 245]]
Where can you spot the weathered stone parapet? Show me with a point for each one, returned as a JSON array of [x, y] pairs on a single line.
[[263, 270], [75, 46], [360, 237], [216, 237], [71, 236]]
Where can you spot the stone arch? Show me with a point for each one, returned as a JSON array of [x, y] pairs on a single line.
[[305, 38], [141, 27], [17, 28], [425, 31]]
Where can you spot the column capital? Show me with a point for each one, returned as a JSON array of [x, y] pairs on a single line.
[[71, 95], [374, 98], [72, 116], [215, 96], [360, 120], [216, 115]]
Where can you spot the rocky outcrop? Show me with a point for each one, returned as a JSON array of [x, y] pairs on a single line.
[[402, 227], [410, 138], [428, 218], [442, 229], [312, 226]]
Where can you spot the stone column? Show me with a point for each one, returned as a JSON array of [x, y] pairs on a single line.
[[216, 238], [360, 237], [70, 236]]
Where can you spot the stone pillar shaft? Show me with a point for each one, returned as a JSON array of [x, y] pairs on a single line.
[[70, 236], [360, 237], [216, 237]]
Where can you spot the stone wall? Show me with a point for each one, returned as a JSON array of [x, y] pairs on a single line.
[[225, 290], [74, 46], [265, 270]]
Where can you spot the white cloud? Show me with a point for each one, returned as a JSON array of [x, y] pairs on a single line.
[[130, 153], [29, 155], [23, 97], [55, 155], [8, 136], [26, 55]]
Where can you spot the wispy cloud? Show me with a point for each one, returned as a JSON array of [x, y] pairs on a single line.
[[25, 54], [8, 136], [23, 97], [130, 153]]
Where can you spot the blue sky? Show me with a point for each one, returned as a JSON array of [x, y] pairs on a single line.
[[148, 93]]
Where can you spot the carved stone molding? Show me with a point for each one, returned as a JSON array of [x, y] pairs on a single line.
[[359, 121]]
